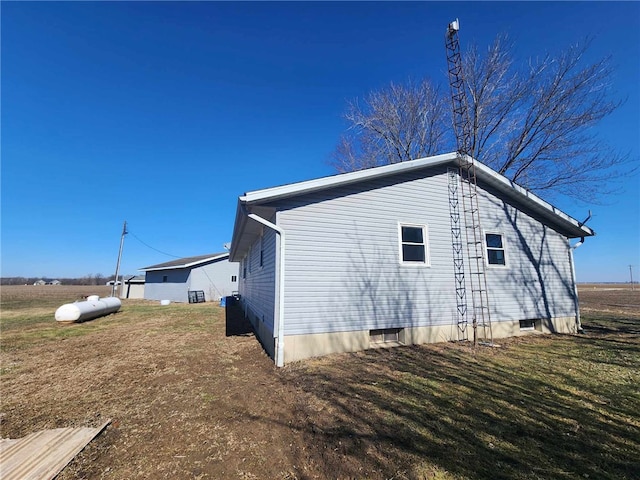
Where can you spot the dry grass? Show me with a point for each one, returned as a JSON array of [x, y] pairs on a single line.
[[187, 401]]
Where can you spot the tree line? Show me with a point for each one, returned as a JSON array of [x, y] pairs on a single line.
[[89, 279]]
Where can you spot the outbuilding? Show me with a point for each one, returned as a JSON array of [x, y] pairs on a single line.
[[207, 277], [357, 260], [133, 286]]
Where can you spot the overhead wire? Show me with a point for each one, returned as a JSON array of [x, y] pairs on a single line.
[[152, 248]]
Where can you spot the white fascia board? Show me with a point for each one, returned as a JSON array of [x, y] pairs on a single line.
[[186, 265], [283, 191], [524, 196]]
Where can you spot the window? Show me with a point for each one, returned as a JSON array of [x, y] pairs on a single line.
[[529, 324], [495, 249], [165, 278], [244, 268], [234, 278], [261, 252], [413, 245], [387, 335]]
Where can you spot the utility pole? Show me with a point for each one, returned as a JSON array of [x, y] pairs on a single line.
[[115, 280], [631, 275]]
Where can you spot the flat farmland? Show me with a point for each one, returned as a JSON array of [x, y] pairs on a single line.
[[191, 394]]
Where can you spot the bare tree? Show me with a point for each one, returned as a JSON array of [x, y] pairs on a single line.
[[532, 123], [399, 123]]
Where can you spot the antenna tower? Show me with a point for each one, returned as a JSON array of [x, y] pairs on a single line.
[[465, 215]]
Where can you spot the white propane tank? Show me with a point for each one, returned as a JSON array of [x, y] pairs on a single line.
[[164, 303], [93, 307]]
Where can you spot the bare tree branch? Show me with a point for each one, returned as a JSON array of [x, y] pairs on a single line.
[[535, 123], [399, 123]]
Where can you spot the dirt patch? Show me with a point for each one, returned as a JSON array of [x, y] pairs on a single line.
[[190, 397]]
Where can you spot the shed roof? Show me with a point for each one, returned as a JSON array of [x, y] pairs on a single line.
[[135, 279], [519, 196], [187, 262]]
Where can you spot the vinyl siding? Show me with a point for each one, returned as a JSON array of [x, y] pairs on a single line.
[[214, 279], [343, 270], [174, 289], [258, 290], [536, 281]]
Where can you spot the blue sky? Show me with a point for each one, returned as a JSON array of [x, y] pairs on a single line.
[[162, 113]]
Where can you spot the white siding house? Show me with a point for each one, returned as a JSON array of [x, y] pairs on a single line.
[[212, 274], [326, 264]]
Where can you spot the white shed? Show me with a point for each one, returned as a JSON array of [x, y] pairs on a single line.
[[133, 286]]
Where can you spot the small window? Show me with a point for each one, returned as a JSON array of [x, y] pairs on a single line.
[[413, 244], [165, 278], [234, 278], [495, 249], [244, 268], [387, 335], [529, 324], [261, 252]]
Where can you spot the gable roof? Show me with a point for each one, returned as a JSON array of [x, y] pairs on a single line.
[[519, 196], [187, 262]]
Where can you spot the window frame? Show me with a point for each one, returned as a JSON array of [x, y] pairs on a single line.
[[425, 244], [487, 248]]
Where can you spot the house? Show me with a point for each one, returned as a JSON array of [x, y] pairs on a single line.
[[210, 275], [345, 262], [133, 286]]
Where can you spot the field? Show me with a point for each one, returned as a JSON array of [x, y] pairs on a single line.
[[189, 397]]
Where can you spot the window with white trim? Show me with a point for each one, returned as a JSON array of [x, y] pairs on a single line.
[[414, 249], [495, 249]]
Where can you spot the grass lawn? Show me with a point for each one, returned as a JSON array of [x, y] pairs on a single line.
[[188, 401]]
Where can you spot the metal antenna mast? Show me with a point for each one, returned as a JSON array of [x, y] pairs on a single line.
[[115, 280], [469, 220]]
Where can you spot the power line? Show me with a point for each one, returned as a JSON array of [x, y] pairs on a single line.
[[152, 248]]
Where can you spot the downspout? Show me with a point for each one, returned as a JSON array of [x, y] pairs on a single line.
[[573, 275], [279, 353], [575, 285]]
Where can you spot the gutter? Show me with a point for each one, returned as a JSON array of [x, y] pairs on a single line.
[[575, 285], [279, 350], [573, 275]]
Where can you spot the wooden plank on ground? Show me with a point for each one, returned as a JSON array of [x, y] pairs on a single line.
[[42, 455]]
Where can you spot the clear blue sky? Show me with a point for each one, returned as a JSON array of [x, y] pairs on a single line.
[[162, 113]]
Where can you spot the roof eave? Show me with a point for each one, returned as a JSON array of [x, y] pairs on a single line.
[[184, 265], [572, 228], [309, 186]]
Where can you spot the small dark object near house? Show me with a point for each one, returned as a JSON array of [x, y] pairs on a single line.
[[196, 296]]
